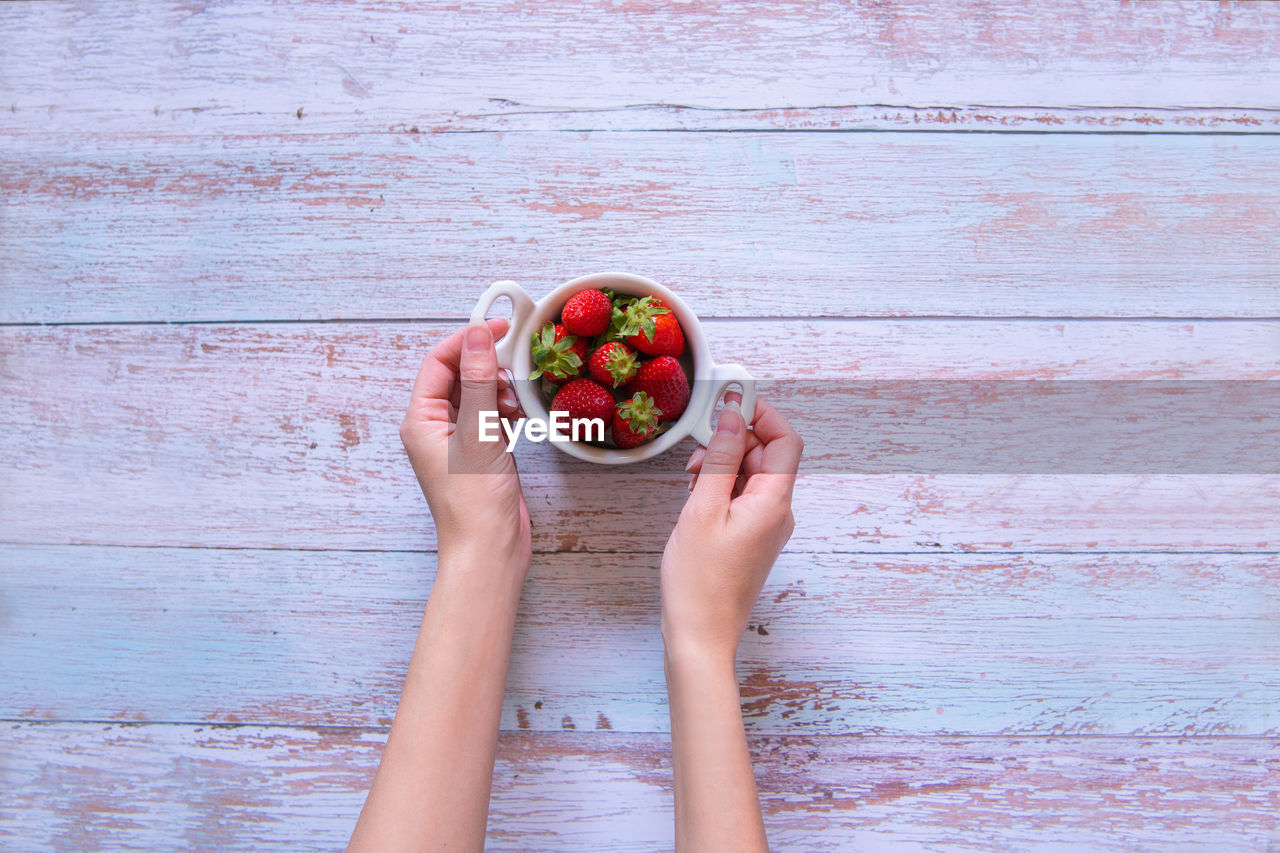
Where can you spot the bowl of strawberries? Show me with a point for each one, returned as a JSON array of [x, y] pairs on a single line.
[[618, 349]]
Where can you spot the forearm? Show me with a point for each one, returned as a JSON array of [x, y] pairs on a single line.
[[432, 788], [717, 807]]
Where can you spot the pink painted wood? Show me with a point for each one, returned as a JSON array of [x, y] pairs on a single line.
[[369, 66], [255, 227], [902, 644], [250, 788], [927, 643], [286, 436]]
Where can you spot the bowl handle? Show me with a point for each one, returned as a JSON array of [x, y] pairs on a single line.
[[521, 308], [722, 376]]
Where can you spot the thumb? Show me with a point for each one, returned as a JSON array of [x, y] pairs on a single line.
[[478, 378], [724, 456]]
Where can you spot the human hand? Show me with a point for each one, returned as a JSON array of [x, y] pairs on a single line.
[[471, 486], [433, 783], [731, 530]]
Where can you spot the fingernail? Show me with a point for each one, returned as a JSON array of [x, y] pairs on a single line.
[[692, 479], [731, 425], [507, 398], [695, 458], [478, 339]]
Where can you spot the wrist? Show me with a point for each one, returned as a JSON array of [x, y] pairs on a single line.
[[489, 579], [697, 641], [683, 656]]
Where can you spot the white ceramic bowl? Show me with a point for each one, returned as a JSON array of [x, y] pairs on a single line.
[[709, 379]]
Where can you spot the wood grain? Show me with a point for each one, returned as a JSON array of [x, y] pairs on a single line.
[[287, 436], [369, 67], [506, 117], [903, 645], [911, 677], [134, 228], [69, 786]]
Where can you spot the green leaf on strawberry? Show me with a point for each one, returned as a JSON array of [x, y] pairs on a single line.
[[612, 364], [555, 358], [613, 332], [640, 412], [635, 420], [637, 318]]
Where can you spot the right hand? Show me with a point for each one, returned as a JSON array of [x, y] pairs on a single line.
[[471, 486], [731, 530]]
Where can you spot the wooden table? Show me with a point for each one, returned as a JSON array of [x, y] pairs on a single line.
[[229, 232]]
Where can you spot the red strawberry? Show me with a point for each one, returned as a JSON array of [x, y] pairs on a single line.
[[584, 400], [587, 313], [667, 337], [581, 346], [557, 354], [662, 379], [612, 364], [637, 315], [635, 420], [649, 326]]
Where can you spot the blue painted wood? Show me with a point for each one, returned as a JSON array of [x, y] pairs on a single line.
[[287, 436], [747, 225], [238, 162], [368, 67], [66, 786], [902, 645]]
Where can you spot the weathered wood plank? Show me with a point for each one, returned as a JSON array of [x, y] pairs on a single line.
[[252, 228], [367, 66], [69, 786], [904, 645], [287, 436], [503, 117]]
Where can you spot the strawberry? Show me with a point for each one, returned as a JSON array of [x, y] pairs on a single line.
[[581, 346], [612, 364], [638, 314], [662, 379], [584, 400], [635, 420], [587, 313], [557, 354], [649, 326], [666, 339], [612, 331]]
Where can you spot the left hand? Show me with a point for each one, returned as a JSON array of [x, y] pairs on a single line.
[[734, 525], [471, 486]]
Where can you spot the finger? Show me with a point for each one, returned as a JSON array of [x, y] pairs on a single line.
[[781, 447], [752, 441], [739, 484], [439, 369], [508, 402], [694, 465], [782, 444], [754, 458], [477, 378], [724, 457]]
